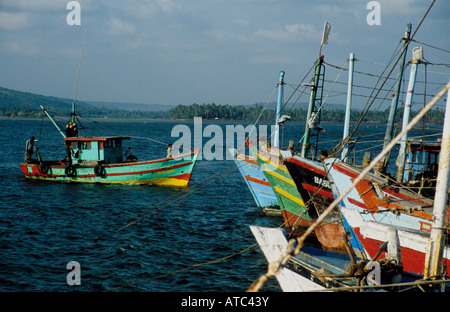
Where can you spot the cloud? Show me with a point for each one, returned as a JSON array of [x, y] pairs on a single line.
[[13, 21], [402, 7], [117, 27], [290, 32], [33, 5]]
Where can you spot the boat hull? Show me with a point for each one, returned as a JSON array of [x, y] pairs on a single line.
[[292, 206], [379, 214], [297, 218], [313, 186], [174, 171], [412, 244], [259, 186]]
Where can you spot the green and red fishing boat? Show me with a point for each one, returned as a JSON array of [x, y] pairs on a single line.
[[101, 160]]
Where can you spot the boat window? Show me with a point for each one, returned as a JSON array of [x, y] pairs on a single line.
[[101, 145], [118, 143], [85, 145]]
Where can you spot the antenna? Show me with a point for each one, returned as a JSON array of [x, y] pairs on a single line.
[[78, 76]]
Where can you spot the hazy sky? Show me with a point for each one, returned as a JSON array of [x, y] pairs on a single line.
[[202, 51]]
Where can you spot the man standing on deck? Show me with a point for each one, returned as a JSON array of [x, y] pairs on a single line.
[[169, 151], [29, 149]]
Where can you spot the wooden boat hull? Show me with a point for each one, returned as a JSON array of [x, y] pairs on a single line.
[[313, 186], [174, 171], [372, 217], [314, 269], [259, 186], [378, 202], [413, 244], [295, 216], [291, 203]]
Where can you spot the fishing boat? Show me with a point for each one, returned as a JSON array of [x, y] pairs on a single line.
[[302, 203], [309, 175], [101, 160], [256, 181], [404, 260], [307, 169], [379, 206], [257, 184]]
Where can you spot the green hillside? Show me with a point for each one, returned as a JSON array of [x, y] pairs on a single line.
[[25, 104]]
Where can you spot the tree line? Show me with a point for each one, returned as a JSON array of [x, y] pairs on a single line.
[[252, 113]]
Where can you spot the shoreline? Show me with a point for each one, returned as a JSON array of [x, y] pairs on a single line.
[[97, 119]]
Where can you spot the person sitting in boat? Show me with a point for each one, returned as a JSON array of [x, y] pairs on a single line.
[[129, 155], [169, 151], [29, 148], [323, 154]]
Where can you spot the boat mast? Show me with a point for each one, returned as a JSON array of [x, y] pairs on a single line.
[[417, 55], [433, 260], [314, 87], [276, 141], [394, 102], [344, 155], [72, 115]]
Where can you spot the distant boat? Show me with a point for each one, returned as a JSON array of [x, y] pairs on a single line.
[[101, 160]]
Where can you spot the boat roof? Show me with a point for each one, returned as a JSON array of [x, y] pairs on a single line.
[[425, 145], [102, 138]]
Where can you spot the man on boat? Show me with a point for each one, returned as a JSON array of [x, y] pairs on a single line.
[[129, 155], [29, 147], [169, 151]]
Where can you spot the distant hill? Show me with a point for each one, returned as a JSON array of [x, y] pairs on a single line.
[[25, 104], [15, 103]]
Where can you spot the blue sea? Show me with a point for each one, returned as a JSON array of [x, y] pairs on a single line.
[[194, 239]]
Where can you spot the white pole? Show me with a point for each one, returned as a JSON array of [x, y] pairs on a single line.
[[348, 107], [433, 266]]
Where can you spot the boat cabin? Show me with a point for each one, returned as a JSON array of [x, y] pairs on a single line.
[[422, 160], [95, 150]]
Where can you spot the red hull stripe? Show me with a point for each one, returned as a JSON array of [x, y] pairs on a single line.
[[249, 178], [357, 203], [319, 191], [345, 171], [412, 260], [306, 166]]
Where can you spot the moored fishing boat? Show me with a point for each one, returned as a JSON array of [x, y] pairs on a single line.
[[403, 207], [259, 186], [302, 203], [298, 268]]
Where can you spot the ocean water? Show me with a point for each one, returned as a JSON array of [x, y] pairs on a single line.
[[194, 239]]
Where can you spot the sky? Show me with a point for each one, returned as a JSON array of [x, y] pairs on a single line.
[[171, 52]]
